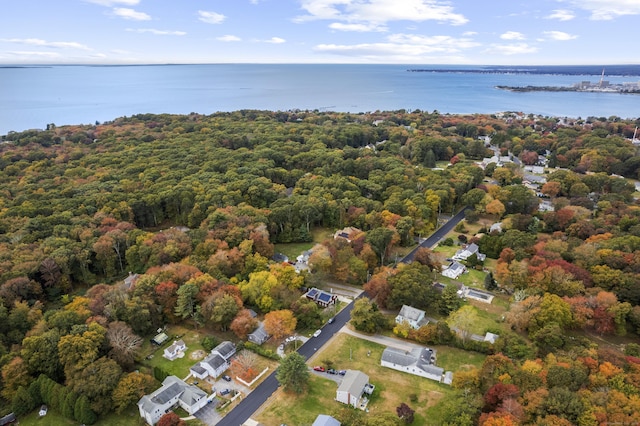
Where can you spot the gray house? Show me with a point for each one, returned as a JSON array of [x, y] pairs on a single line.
[[259, 335]]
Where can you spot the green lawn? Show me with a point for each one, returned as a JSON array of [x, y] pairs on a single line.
[[293, 250], [392, 387], [130, 417], [180, 366]]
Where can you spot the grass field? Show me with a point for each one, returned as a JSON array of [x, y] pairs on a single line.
[[180, 366], [392, 387], [131, 417], [293, 250]]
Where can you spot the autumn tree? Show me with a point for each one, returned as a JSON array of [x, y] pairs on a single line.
[[405, 413], [243, 365], [171, 419], [365, 316], [243, 324], [463, 320], [280, 323], [131, 388]]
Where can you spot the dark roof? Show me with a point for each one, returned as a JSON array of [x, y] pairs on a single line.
[[9, 418], [324, 297], [167, 394], [198, 369], [226, 349], [312, 293], [214, 360]]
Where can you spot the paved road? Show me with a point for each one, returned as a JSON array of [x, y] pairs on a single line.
[[436, 236], [260, 394]]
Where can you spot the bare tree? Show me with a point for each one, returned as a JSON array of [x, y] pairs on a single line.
[[124, 343]]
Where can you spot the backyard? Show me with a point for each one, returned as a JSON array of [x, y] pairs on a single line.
[[392, 387]]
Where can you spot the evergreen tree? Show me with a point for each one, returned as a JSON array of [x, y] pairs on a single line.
[[82, 411], [293, 374], [22, 402]]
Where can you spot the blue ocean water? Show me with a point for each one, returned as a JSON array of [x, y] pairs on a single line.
[[33, 97]]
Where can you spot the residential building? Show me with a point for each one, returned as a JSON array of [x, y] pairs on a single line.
[[174, 392], [467, 251], [259, 335], [411, 315], [346, 233], [420, 362], [215, 363], [176, 350], [226, 350], [353, 388], [325, 420], [212, 366], [321, 297], [160, 338], [454, 270]]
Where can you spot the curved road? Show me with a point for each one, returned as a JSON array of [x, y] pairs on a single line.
[[264, 390]]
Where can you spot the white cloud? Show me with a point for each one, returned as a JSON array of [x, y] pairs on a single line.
[[275, 40], [210, 17], [608, 9], [228, 38], [110, 3], [469, 33], [156, 32], [356, 27], [40, 42], [410, 47], [512, 35], [35, 54], [378, 12], [133, 15], [511, 49], [559, 35], [562, 15]]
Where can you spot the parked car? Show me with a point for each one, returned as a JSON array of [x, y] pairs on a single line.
[[225, 391], [332, 371], [318, 368], [342, 372], [227, 378], [317, 333], [331, 320]]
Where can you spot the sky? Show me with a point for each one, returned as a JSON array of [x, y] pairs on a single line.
[[483, 32]]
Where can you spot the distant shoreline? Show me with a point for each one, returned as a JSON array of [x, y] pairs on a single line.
[[565, 89], [612, 70]]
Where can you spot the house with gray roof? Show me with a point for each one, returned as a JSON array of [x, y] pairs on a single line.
[[259, 335], [173, 392], [215, 363], [419, 361], [454, 270], [325, 420], [411, 315], [352, 389], [212, 366], [466, 252], [225, 349], [177, 349]]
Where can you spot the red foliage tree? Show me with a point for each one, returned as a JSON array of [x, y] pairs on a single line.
[[171, 419], [498, 393]]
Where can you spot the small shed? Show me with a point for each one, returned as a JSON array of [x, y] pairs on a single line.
[[160, 338]]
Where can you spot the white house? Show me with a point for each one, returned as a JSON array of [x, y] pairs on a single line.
[[225, 349], [466, 252], [215, 363], [172, 393], [415, 317], [176, 350], [353, 387], [454, 270], [420, 362], [212, 366]]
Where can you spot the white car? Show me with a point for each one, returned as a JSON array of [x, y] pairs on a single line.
[[317, 333]]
